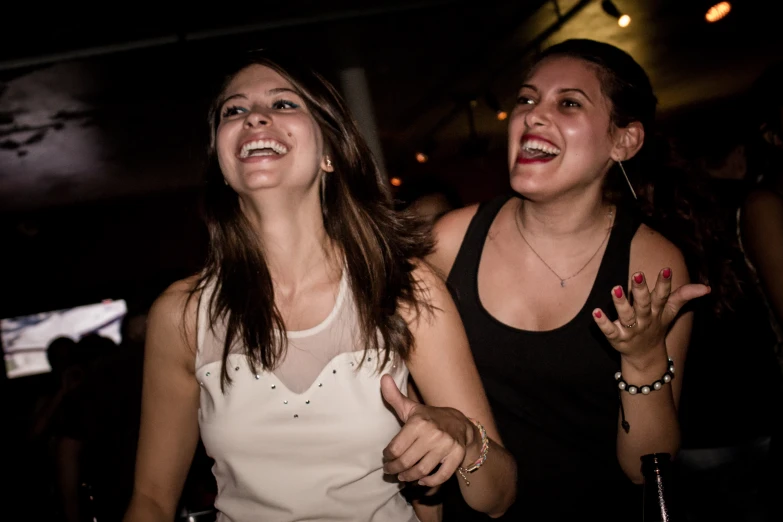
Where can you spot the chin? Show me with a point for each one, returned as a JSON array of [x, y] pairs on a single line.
[[528, 185], [260, 180]]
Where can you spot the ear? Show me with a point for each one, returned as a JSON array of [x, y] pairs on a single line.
[[326, 164], [628, 141]]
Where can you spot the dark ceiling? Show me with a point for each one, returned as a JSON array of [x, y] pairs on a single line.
[[106, 107], [112, 104]]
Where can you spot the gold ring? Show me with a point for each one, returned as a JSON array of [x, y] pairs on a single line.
[[632, 324]]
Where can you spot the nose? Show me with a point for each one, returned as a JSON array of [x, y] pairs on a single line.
[[536, 116], [257, 119]]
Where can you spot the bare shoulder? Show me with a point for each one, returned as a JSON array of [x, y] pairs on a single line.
[[430, 293], [172, 318], [449, 231], [761, 204], [175, 302], [430, 287], [651, 252]]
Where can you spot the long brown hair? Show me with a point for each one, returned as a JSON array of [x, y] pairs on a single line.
[[380, 246]]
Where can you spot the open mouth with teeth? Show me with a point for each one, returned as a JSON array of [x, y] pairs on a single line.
[[537, 150], [262, 148]]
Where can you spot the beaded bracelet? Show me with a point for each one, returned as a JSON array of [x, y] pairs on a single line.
[[647, 388], [482, 457]]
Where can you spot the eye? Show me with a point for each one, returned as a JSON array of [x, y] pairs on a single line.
[[571, 104], [232, 110], [285, 104], [524, 100]]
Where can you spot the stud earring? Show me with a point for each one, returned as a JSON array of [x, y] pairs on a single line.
[[328, 163], [620, 163]]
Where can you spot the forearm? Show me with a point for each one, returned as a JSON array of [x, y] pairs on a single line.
[[493, 486], [142, 508], [652, 418]]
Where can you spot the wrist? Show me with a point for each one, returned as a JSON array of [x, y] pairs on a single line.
[[652, 363], [473, 444]]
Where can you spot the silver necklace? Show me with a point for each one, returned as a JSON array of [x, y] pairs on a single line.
[[562, 279]]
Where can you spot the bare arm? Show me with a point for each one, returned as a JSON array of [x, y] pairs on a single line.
[[169, 416], [762, 237], [446, 376], [644, 349]]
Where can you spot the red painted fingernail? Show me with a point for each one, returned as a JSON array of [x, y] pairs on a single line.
[[598, 314], [638, 278], [618, 292], [667, 273]]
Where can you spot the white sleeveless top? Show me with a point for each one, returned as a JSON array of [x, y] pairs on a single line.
[[304, 442]]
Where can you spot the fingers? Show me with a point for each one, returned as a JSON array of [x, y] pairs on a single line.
[[422, 465], [402, 405], [397, 447], [678, 299], [407, 462], [448, 466], [421, 457], [662, 290], [625, 312], [610, 330], [642, 303]]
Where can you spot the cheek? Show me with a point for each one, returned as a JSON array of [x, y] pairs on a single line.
[[516, 127], [581, 134], [221, 147], [516, 123], [308, 134]]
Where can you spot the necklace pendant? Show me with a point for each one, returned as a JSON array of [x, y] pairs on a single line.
[[562, 282]]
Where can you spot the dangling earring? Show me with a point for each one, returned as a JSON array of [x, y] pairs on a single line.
[[225, 181], [620, 163], [323, 194]]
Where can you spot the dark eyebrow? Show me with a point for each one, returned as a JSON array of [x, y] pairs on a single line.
[[278, 90], [270, 92], [228, 98], [574, 89], [561, 91]]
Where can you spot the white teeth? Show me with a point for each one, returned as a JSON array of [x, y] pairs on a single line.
[[275, 146], [532, 145]]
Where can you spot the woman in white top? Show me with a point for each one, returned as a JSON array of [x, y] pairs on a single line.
[[277, 353]]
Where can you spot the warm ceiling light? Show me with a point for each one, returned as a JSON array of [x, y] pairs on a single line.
[[495, 106], [421, 157], [717, 11], [611, 9], [396, 182]]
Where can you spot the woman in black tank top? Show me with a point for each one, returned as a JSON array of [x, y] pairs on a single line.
[[541, 278]]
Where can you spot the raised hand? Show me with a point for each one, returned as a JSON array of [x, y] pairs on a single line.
[[429, 437], [643, 326]]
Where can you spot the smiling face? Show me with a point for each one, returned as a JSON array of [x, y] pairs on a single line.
[[266, 136], [560, 134]]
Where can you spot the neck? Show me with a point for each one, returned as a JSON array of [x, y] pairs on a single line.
[[292, 233], [565, 218]]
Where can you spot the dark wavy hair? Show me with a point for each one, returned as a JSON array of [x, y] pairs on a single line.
[[671, 196], [380, 246]]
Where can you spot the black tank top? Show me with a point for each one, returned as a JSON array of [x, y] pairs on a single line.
[[553, 393]]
